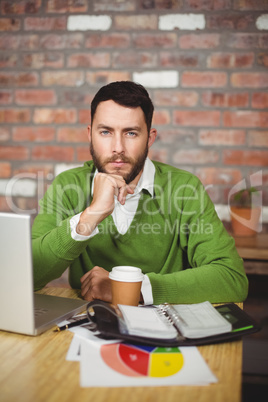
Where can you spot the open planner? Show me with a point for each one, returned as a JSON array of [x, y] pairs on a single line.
[[164, 321], [171, 325]]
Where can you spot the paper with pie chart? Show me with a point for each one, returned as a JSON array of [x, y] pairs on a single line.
[[136, 361], [121, 364]]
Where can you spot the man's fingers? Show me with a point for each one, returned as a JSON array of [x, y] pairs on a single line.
[[95, 284], [84, 278]]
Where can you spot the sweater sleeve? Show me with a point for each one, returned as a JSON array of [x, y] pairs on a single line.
[[214, 270], [53, 247]]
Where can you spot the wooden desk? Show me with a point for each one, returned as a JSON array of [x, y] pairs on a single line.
[[34, 369]]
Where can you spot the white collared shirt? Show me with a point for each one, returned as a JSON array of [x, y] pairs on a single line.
[[123, 216]]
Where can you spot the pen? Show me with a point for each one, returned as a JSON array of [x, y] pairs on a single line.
[[72, 324]]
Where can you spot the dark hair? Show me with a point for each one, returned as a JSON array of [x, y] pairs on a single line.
[[128, 94]]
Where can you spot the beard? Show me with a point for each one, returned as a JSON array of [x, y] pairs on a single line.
[[136, 164]]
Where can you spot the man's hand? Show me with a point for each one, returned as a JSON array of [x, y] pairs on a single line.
[[106, 186], [96, 284]]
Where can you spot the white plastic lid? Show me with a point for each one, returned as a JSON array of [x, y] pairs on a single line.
[[125, 273]]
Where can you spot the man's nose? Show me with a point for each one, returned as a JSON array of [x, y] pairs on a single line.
[[118, 144]]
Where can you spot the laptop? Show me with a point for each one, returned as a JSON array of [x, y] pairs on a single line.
[[21, 310]]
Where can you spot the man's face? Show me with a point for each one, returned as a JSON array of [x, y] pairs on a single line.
[[119, 140]]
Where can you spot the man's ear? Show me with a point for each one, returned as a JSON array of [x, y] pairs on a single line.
[[89, 133], [152, 137]]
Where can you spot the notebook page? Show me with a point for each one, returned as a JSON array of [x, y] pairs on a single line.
[[198, 320], [148, 322]]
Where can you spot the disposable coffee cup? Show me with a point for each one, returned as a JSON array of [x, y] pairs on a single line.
[[126, 285]]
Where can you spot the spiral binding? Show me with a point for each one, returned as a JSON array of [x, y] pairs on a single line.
[[172, 315], [161, 310]]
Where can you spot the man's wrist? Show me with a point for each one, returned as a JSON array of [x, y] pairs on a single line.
[[87, 223], [75, 235]]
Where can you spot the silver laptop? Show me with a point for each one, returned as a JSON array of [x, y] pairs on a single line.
[[22, 310]]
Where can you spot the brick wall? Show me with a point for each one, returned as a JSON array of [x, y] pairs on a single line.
[[204, 63]]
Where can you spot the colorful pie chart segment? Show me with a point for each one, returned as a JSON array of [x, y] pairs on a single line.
[[133, 360]]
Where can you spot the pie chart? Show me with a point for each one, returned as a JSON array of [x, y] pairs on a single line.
[[137, 361]]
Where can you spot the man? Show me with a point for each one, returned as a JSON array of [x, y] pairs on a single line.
[[123, 209]]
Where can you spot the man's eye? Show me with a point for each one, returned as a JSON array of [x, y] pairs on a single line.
[[131, 134], [105, 132]]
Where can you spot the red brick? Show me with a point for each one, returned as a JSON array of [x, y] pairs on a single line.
[[174, 59], [199, 41], [245, 119], [159, 40], [212, 175], [197, 118], [247, 40], [18, 79], [83, 154], [63, 78], [35, 97], [215, 194], [33, 134], [45, 23], [84, 116], [23, 204], [8, 60], [4, 206], [4, 134], [177, 136], [77, 97], [20, 7], [160, 155], [9, 24], [260, 100], [13, 42], [229, 99], [230, 60], [112, 41], [203, 79], [224, 21], [247, 158], [161, 117], [73, 6], [263, 59], [53, 153], [195, 156], [161, 5], [5, 97], [106, 76], [58, 116], [115, 5], [14, 115], [69, 134], [222, 137], [136, 22], [5, 169], [175, 98], [250, 5], [95, 60], [209, 5], [39, 169], [264, 176], [130, 59], [249, 80], [54, 41], [14, 153], [258, 138], [41, 60]]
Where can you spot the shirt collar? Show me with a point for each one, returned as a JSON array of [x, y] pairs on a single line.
[[146, 181]]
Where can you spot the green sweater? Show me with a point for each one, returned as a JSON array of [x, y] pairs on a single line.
[[176, 238]]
